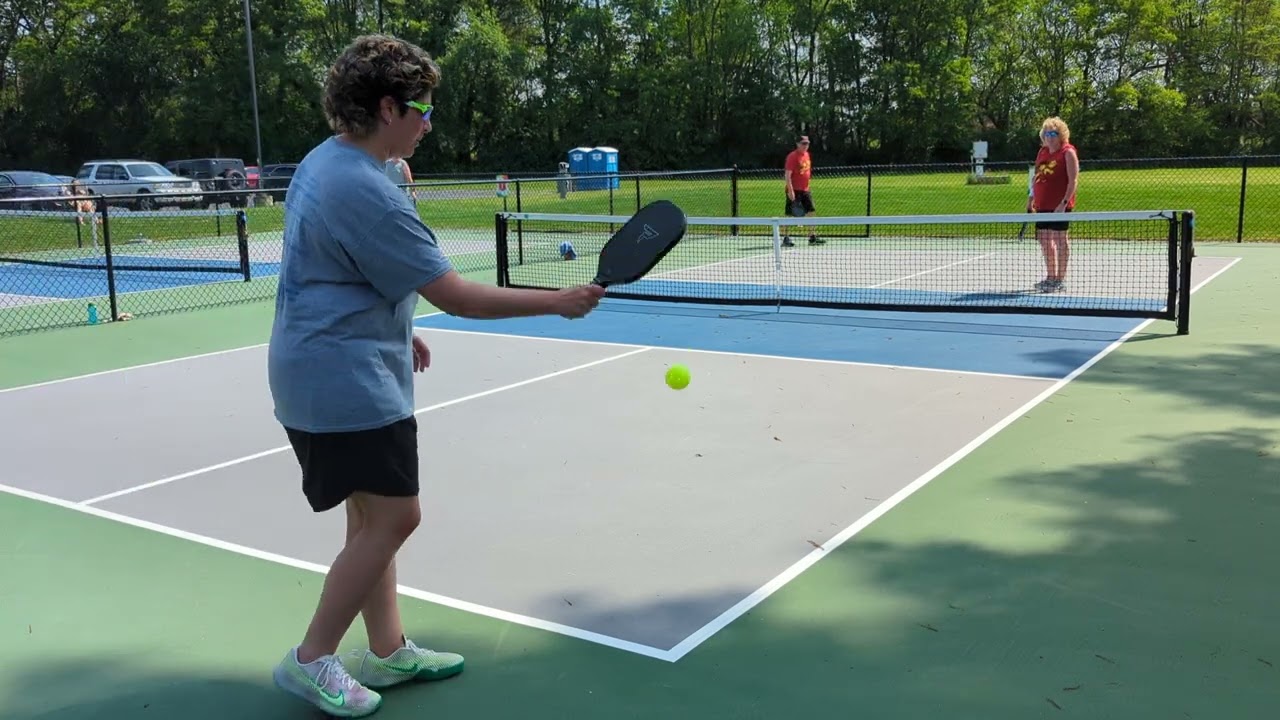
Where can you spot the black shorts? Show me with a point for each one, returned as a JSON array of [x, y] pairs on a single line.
[[804, 199], [381, 461], [1059, 226]]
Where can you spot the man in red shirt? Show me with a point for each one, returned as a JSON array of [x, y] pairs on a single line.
[[1054, 191], [797, 170]]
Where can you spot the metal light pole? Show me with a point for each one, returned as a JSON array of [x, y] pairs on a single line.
[[253, 82]]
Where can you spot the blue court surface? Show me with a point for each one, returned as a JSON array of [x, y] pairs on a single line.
[[162, 273], [958, 299], [1050, 347]]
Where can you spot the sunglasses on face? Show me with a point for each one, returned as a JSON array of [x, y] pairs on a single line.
[[423, 108]]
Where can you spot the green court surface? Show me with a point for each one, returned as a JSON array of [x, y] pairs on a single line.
[[1107, 555]]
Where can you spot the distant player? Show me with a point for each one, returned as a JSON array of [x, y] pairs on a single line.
[[797, 170], [1053, 189], [398, 171]]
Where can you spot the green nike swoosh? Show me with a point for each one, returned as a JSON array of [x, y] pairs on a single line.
[[337, 700], [399, 668]]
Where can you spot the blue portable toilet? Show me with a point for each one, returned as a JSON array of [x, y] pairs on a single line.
[[594, 161], [605, 160], [580, 164]]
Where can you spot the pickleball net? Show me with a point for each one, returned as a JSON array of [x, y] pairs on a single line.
[[1121, 264]]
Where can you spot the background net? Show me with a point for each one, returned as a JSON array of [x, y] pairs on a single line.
[[1120, 263]]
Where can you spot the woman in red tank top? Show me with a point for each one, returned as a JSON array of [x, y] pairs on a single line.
[[1053, 190]]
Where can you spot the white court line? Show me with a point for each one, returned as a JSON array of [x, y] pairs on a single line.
[[934, 270], [419, 411], [742, 606], [157, 363], [322, 569], [732, 353]]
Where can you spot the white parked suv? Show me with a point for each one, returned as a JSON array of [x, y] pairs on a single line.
[[151, 184]]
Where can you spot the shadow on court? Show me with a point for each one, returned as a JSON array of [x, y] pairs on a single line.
[[111, 687], [1240, 376]]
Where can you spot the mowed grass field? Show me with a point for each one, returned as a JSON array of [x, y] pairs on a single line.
[[1213, 193]]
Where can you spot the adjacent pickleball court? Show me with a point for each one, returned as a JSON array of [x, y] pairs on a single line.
[[565, 486]]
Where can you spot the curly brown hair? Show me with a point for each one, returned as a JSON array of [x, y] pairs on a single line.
[[370, 68]]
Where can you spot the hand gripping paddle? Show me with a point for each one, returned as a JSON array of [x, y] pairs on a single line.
[[640, 244]]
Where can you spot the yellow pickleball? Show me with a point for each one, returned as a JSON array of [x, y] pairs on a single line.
[[677, 377]]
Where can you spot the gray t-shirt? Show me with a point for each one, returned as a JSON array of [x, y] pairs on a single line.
[[355, 254]]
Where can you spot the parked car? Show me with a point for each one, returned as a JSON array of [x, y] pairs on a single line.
[[222, 175], [149, 183], [274, 179], [36, 185]]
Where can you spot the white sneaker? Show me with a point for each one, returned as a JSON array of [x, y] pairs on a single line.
[[326, 684], [410, 662]]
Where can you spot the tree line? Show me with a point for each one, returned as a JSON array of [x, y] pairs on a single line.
[[673, 84]]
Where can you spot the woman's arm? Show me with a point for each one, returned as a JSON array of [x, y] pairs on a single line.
[[1073, 174]]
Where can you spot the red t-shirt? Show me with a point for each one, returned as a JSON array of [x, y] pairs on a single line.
[[1051, 178], [799, 164]]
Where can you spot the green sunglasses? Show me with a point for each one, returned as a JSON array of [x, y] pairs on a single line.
[[423, 108]]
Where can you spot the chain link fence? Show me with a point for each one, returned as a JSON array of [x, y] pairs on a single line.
[[102, 261], [1234, 198], [74, 261]]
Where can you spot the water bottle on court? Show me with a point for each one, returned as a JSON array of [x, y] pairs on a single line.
[[93, 314]]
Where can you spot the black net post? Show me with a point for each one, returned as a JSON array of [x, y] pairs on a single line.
[[500, 250], [1184, 281], [1173, 268], [242, 242], [106, 249]]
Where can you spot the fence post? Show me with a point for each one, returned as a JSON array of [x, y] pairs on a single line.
[[733, 197], [869, 174], [106, 248], [242, 242], [519, 224], [1244, 181]]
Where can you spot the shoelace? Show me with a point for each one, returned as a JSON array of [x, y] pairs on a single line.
[[332, 667]]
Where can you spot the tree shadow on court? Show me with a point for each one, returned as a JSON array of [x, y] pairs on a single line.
[[1237, 377], [116, 687]]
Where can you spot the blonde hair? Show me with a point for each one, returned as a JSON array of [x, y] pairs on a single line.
[[1056, 123]]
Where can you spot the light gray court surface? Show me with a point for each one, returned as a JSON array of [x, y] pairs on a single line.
[[635, 524]]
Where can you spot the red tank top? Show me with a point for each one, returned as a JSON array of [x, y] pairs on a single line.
[[1051, 178]]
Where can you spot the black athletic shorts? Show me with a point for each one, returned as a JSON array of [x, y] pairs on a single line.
[[804, 198], [1060, 226], [382, 461]]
